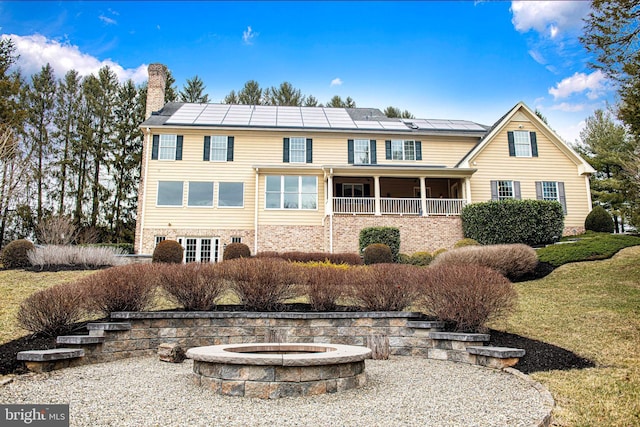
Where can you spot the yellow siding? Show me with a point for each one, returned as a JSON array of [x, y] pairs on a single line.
[[552, 164]]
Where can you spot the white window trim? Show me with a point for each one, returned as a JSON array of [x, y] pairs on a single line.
[[513, 191], [356, 151], [226, 148], [169, 206], [216, 253], [353, 184], [517, 144], [197, 206], [555, 184], [229, 207], [160, 146], [282, 193], [404, 155], [304, 149]]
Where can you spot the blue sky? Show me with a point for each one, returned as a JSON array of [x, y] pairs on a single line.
[[451, 60]]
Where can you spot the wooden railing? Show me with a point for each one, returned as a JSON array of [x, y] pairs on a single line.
[[397, 206]]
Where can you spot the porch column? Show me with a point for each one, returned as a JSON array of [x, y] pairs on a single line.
[[376, 180], [423, 195], [467, 190], [329, 204]]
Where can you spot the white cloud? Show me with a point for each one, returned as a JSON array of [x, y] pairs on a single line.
[[537, 56], [594, 84], [336, 82], [568, 108], [248, 35], [36, 51], [549, 17], [107, 20]]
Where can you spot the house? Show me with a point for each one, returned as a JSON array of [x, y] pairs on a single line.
[[310, 178]]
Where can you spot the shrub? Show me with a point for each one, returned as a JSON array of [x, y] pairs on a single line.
[[466, 296], [599, 220], [589, 247], [15, 254], [324, 285], [437, 252], [532, 222], [389, 236], [339, 258], [74, 257], [52, 311], [56, 230], [126, 288], [236, 250], [124, 248], [512, 261], [384, 287], [168, 251], [377, 253], [195, 286], [262, 284], [465, 242], [421, 259]]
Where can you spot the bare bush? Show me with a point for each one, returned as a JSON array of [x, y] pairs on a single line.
[[466, 296], [338, 258], [126, 288], [195, 286], [512, 261], [384, 287], [262, 284], [324, 286], [56, 230], [48, 257], [52, 311]]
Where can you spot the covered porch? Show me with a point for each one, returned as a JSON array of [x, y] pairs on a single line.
[[379, 190]]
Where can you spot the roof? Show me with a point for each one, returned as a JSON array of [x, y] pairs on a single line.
[[318, 118]]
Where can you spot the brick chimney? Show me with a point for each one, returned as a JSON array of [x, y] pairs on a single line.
[[155, 88]]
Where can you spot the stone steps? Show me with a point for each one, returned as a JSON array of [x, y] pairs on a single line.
[[50, 360], [79, 340]]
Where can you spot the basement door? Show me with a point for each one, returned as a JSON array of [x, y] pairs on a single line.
[[200, 249]]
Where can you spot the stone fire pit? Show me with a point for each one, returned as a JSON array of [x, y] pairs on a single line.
[[274, 370]]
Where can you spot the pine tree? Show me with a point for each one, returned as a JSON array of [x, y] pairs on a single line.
[[251, 94], [231, 98], [193, 91], [285, 94]]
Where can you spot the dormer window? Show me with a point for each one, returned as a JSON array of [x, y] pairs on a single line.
[[522, 143]]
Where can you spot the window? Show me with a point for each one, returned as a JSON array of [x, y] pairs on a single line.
[[230, 195], [297, 150], [291, 192], [550, 191], [167, 147], [200, 194], [236, 239], [403, 150], [361, 151], [201, 249], [522, 143], [169, 193], [160, 239], [218, 151], [352, 190], [505, 190]]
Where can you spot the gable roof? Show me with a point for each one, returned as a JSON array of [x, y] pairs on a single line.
[[178, 114], [583, 166]]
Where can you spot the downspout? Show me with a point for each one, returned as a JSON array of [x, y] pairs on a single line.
[[255, 214], [144, 188]]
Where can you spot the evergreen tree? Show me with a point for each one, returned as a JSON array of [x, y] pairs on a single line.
[[193, 91], [311, 101], [336, 102], [392, 112], [231, 98], [251, 93], [285, 94]]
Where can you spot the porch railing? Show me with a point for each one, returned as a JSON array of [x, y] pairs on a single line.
[[397, 206]]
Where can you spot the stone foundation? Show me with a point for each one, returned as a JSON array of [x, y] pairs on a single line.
[[290, 238]]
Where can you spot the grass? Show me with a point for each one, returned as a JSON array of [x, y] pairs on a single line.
[[592, 309], [589, 247]]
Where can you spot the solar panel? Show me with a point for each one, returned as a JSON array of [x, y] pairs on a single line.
[[213, 114], [368, 124], [187, 114]]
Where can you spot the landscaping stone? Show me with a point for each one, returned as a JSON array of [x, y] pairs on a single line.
[[172, 353]]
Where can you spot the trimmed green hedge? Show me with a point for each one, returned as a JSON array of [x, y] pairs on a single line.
[[590, 246], [389, 236], [532, 222]]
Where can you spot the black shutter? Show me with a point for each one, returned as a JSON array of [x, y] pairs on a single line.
[[230, 140], [418, 150], [309, 150], [285, 150], [512, 145], [562, 196], [373, 154], [207, 149], [179, 139], [516, 190], [350, 154], [494, 190], [534, 144], [154, 147], [539, 190], [387, 149]]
